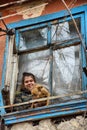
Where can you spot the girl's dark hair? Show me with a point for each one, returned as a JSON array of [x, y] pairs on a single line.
[[28, 74]]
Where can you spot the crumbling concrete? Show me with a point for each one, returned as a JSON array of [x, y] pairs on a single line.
[[77, 123]]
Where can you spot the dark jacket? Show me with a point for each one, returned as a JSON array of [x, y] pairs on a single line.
[[23, 96]]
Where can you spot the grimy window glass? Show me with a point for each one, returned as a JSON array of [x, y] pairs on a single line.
[[37, 63], [64, 31], [64, 63], [67, 71], [33, 38]]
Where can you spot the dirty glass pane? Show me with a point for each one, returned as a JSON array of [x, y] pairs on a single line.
[[33, 38], [67, 71], [36, 63], [65, 65], [64, 31]]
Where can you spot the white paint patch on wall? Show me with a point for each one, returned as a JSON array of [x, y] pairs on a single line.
[[33, 12], [30, 9]]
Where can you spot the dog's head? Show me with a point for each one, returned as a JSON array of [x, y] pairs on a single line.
[[39, 91]]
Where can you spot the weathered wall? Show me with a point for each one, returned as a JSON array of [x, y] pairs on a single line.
[[33, 9]]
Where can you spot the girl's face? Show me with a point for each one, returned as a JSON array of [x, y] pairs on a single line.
[[29, 82]]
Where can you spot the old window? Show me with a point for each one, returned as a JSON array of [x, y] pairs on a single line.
[[52, 53], [50, 47]]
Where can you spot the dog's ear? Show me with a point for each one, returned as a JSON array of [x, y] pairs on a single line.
[[38, 87]]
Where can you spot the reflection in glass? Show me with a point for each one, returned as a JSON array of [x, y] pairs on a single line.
[[36, 63], [64, 65], [67, 70], [64, 31], [33, 38]]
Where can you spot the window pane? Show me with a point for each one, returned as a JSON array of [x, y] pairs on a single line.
[[67, 71], [36, 63], [33, 38], [64, 31]]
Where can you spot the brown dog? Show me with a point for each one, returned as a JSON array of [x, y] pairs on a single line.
[[39, 92]]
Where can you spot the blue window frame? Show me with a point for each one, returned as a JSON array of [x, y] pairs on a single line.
[[52, 46]]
